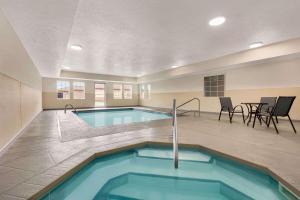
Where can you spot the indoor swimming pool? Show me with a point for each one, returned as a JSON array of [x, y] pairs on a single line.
[[148, 173], [108, 117]]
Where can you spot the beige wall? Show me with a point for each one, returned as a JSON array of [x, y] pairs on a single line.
[[242, 84], [15, 62], [19, 104], [10, 122], [51, 102], [31, 103], [20, 85], [110, 101]]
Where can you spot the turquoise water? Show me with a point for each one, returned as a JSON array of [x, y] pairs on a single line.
[[148, 173], [97, 118]]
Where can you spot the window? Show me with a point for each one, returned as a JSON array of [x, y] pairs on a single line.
[[63, 89], [145, 91], [142, 91], [127, 91], [78, 90], [117, 91], [149, 91], [214, 86]]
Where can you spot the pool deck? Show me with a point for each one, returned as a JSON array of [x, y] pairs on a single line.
[[39, 157]]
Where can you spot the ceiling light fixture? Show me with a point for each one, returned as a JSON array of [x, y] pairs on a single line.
[[174, 66], [255, 45], [217, 21], [65, 67], [76, 47]]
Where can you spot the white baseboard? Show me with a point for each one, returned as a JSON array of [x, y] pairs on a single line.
[[17, 135]]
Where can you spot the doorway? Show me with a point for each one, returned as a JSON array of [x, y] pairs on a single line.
[[99, 94]]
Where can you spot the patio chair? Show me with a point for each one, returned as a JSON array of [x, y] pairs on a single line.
[[226, 106], [270, 102], [281, 109]]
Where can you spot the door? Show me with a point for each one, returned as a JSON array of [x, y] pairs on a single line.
[[99, 94]]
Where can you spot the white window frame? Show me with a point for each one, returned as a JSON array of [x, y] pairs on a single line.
[[76, 84], [149, 91], [214, 86], [120, 96], [142, 91], [129, 90], [64, 86]]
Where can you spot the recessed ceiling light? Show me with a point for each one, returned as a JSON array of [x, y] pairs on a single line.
[[255, 45], [65, 67], [174, 66], [217, 21], [76, 47]]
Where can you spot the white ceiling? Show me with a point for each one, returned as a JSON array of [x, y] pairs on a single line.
[[135, 37]]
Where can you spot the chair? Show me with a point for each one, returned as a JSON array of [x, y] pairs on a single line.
[[226, 106], [281, 109], [270, 102]]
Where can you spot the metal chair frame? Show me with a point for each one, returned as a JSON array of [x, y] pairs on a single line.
[[275, 112], [232, 111]]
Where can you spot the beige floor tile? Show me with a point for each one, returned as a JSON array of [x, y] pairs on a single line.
[[57, 171], [4, 170], [9, 197], [34, 162], [42, 179], [14, 177], [5, 187], [43, 157], [24, 190]]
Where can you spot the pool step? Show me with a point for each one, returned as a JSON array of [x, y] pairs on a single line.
[[184, 155], [118, 197], [134, 186]]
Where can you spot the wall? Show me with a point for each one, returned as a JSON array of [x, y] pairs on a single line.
[[110, 101], [51, 102], [20, 85], [242, 84]]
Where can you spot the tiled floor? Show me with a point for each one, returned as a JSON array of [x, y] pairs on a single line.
[[39, 157]]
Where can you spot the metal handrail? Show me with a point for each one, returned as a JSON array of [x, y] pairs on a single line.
[[189, 102], [174, 127], [175, 137], [66, 106]]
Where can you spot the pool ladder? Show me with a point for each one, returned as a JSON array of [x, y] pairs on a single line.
[[174, 132], [174, 126], [66, 106], [187, 111]]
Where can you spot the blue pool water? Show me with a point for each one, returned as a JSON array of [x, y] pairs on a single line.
[[148, 173], [97, 118]]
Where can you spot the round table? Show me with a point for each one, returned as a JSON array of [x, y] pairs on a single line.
[[250, 106]]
